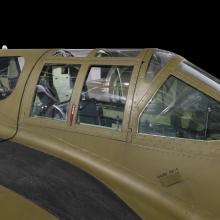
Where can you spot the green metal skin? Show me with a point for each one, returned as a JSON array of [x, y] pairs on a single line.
[[13, 206], [140, 169]]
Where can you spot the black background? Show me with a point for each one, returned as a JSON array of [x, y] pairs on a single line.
[[204, 56], [189, 30]]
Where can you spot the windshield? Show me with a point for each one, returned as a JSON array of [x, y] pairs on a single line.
[[158, 60], [200, 74]]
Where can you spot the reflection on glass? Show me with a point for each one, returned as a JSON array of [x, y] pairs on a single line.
[[158, 60], [10, 69], [179, 110], [118, 52], [200, 74], [72, 52], [54, 90], [104, 95]]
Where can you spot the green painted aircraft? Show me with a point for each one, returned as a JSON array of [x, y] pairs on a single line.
[[107, 134]]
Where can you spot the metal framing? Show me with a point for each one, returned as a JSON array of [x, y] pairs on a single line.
[[128, 163]]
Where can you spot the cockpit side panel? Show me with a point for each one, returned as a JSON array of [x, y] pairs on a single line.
[[15, 68]]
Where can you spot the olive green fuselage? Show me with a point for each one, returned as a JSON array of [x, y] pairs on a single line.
[[157, 176]]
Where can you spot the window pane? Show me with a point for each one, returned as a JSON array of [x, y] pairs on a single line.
[[179, 110], [158, 60], [54, 90], [200, 74], [213, 128], [72, 52], [104, 95], [118, 52], [10, 69]]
